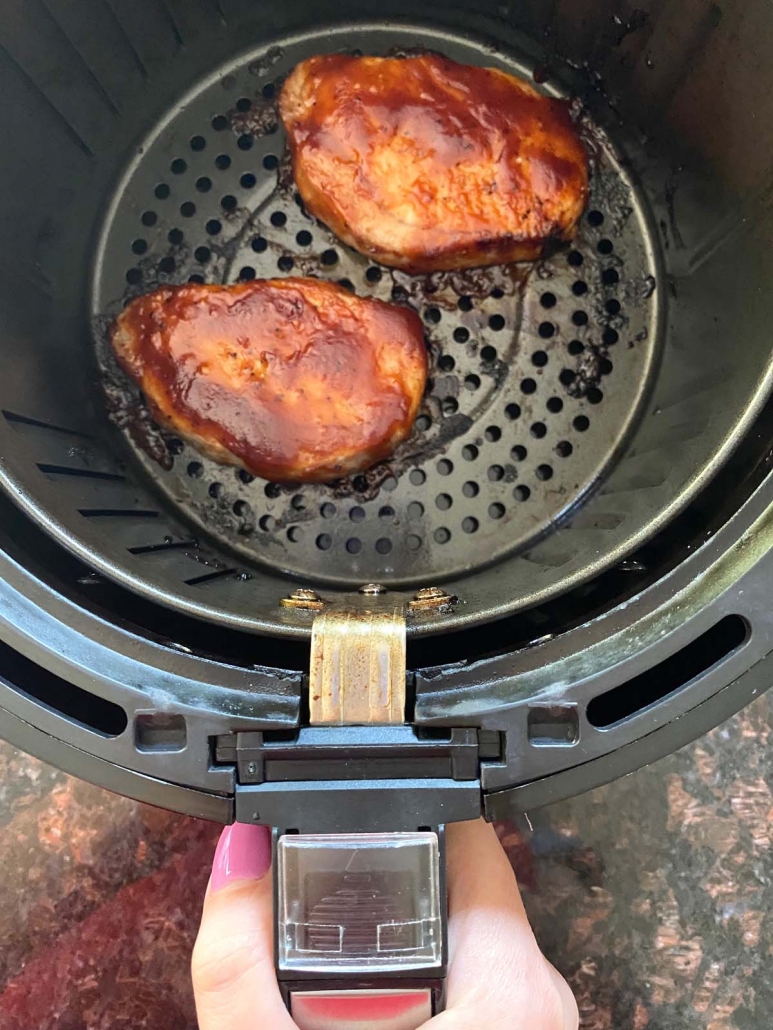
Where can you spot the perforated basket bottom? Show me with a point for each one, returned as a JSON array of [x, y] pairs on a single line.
[[537, 371]]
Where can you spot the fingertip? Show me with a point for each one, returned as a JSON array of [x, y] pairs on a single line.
[[243, 853]]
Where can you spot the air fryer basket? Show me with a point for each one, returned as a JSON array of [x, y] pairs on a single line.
[[551, 403], [533, 388], [581, 411]]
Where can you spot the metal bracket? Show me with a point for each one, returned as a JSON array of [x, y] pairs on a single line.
[[357, 674]]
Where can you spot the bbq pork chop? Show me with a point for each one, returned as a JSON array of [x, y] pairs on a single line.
[[291, 379], [425, 164]]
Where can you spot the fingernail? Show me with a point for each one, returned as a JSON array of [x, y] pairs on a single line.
[[243, 853]]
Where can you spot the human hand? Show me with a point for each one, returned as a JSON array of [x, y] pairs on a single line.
[[497, 977]]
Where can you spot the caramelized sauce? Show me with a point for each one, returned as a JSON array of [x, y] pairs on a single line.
[[428, 164], [293, 379]]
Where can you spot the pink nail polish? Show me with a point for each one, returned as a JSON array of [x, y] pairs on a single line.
[[243, 853]]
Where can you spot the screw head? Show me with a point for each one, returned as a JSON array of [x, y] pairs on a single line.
[[304, 594], [252, 768], [372, 589], [430, 594]]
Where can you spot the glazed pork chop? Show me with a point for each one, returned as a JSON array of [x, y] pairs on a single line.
[[291, 379], [425, 164]]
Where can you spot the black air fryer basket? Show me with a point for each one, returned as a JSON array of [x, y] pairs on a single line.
[[588, 476]]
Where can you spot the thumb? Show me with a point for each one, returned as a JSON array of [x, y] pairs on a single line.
[[497, 977], [234, 982]]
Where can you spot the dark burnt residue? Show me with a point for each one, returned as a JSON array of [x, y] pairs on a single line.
[[412, 454], [366, 485], [153, 272], [450, 429], [125, 404], [589, 370], [262, 117], [593, 139], [285, 181], [265, 63], [541, 74], [444, 289], [403, 52]]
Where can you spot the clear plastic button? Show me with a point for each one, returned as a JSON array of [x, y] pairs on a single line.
[[359, 901]]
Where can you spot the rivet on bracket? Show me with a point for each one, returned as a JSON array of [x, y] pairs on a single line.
[[372, 589], [303, 599], [430, 599]]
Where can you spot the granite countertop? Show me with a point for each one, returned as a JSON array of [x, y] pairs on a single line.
[[653, 894]]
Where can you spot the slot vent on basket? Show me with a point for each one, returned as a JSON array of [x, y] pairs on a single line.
[[209, 577], [74, 703], [665, 678], [25, 420], [65, 470], [117, 513], [172, 545]]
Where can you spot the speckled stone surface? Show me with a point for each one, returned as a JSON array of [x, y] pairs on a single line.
[[653, 895]]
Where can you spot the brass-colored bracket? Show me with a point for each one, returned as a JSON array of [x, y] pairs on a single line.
[[357, 673]]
